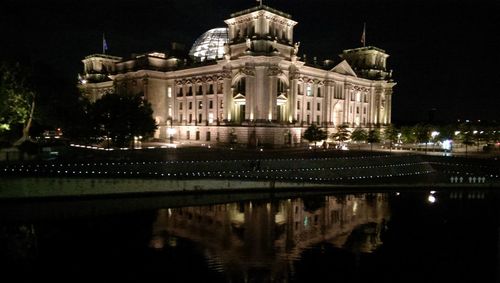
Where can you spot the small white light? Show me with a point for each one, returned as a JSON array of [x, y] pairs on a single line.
[[431, 199]]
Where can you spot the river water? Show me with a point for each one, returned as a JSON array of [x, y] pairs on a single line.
[[417, 236]]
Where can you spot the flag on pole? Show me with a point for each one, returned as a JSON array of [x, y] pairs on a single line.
[[104, 44], [363, 35]]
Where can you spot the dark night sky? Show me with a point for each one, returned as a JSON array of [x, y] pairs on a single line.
[[444, 53]]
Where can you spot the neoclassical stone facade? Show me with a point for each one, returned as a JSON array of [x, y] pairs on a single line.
[[259, 93]]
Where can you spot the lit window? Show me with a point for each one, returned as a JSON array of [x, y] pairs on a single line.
[[309, 90]]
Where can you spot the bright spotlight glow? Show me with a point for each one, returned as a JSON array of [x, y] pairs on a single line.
[[446, 144], [431, 199]]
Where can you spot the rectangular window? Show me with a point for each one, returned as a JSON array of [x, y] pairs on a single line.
[[308, 106], [210, 117], [308, 119], [210, 89], [317, 120], [365, 97], [197, 135], [190, 105], [208, 136], [298, 117], [200, 90], [180, 118], [318, 107], [181, 92], [353, 96], [180, 105], [210, 104], [169, 91], [298, 105], [221, 105], [357, 110], [190, 91], [364, 110], [309, 90], [220, 88], [319, 92], [188, 135], [200, 105], [190, 118], [199, 118], [300, 90]]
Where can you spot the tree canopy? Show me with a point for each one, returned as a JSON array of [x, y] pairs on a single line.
[[122, 117], [17, 96], [342, 133], [314, 134]]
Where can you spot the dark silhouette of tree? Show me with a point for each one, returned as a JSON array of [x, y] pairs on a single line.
[[466, 136], [391, 135], [422, 134], [407, 134], [342, 134], [373, 137], [122, 117], [314, 134], [359, 135]]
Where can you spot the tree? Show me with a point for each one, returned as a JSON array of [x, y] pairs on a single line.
[[359, 135], [373, 137], [422, 134], [342, 134], [122, 117], [314, 134], [407, 134], [18, 99], [391, 135], [466, 136]]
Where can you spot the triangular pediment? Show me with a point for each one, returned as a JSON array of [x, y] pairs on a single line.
[[344, 68], [239, 96]]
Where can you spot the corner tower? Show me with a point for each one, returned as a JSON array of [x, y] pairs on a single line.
[[260, 30], [368, 62]]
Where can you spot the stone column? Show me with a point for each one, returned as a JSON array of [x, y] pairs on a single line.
[[228, 97], [261, 95]]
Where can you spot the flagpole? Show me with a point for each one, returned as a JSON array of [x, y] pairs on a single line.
[[364, 27], [103, 44], [364, 34]]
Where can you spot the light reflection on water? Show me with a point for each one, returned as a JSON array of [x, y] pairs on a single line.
[[353, 237], [238, 237]]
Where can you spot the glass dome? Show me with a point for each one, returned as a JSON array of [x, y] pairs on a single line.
[[210, 45]]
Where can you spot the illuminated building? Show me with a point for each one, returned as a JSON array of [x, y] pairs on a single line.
[[253, 90]]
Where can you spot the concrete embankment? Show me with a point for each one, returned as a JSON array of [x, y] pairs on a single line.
[[107, 178], [31, 187]]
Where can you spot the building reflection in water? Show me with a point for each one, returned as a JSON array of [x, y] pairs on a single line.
[[262, 238]]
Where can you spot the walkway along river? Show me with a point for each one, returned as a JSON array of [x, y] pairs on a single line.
[[55, 179]]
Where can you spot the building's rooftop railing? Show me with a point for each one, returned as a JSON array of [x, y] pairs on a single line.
[[262, 7]]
